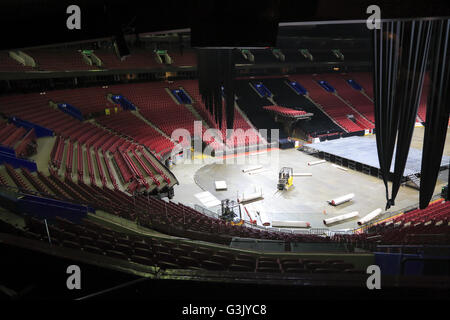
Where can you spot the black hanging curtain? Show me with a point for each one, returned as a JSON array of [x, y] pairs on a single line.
[[400, 55], [216, 70], [438, 108]]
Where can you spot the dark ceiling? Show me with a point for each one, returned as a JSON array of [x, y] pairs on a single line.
[[28, 23]]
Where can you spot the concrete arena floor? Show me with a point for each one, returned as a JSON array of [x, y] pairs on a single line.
[[306, 200]]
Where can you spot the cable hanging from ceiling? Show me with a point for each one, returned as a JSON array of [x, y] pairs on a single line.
[[438, 109], [400, 59], [216, 72]]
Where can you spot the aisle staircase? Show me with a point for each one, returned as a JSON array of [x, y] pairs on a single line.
[[414, 180]]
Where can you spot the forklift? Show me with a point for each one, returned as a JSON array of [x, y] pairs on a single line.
[[285, 178]]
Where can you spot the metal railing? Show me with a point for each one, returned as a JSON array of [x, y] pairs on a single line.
[[309, 231], [206, 212], [388, 215]]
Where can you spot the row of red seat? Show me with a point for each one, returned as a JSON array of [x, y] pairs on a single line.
[[90, 166], [100, 168], [35, 108], [285, 111], [69, 159], [12, 136], [60, 193], [137, 174], [352, 96], [16, 177], [146, 169], [125, 172], [17, 138], [94, 238], [57, 153], [92, 100], [138, 59], [80, 162], [430, 225], [158, 107], [365, 80], [329, 102], [156, 167], [437, 211], [59, 60], [169, 116], [27, 146], [186, 58], [191, 86], [110, 172], [236, 139], [125, 123], [36, 183], [72, 60], [178, 216]]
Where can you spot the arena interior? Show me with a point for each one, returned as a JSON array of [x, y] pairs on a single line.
[[120, 166]]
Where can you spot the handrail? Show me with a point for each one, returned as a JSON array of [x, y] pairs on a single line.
[[394, 213], [311, 231]]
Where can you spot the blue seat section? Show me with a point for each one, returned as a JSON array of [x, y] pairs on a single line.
[[324, 84], [181, 96], [39, 130], [298, 87], [46, 208], [262, 89], [71, 110], [7, 157], [354, 84], [123, 102]]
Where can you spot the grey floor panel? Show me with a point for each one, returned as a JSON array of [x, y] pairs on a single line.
[[364, 150]]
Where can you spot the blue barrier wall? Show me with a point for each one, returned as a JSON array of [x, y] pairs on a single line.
[[17, 162], [262, 89], [181, 96], [46, 208], [184, 97], [7, 150], [39, 130], [324, 84], [389, 263], [298, 88], [123, 102], [354, 84], [71, 110]]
